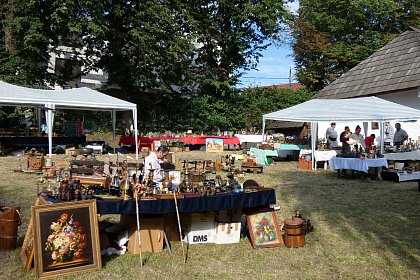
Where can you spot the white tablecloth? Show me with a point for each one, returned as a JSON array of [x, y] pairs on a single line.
[[356, 163], [251, 138], [405, 176], [319, 155], [414, 155]]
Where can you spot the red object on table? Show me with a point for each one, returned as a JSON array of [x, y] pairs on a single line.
[[141, 141], [195, 140], [201, 140]]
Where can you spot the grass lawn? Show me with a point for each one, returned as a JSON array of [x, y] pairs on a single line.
[[363, 230]]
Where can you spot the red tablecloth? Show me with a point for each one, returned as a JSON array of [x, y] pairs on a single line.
[[195, 140], [201, 140]]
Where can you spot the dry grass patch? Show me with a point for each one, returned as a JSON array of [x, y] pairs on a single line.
[[363, 230]]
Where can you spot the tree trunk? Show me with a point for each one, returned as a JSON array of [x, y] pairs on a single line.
[[8, 30]]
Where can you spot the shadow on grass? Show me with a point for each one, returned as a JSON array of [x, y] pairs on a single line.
[[380, 218]]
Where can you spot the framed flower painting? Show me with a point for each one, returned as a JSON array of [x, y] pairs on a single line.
[[66, 238], [264, 230]]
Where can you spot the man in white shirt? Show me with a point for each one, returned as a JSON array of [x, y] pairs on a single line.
[[357, 139], [153, 161]]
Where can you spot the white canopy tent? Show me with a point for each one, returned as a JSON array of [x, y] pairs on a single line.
[[354, 109], [77, 98]]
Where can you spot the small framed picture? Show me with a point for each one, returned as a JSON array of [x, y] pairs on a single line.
[[175, 176], [27, 251], [264, 229], [66, 238], [374, 125]]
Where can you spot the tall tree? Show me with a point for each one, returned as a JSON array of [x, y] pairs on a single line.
[[24, 41], [333, 36]]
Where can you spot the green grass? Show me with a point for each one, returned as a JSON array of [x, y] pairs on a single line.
[[363, 230]]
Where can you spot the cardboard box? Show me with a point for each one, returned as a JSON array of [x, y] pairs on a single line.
[[227, 233], [171, 227], [72, 151], [151, 234], [201, 228], [229, 216]]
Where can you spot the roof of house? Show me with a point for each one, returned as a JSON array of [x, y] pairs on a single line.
[[394, 67]]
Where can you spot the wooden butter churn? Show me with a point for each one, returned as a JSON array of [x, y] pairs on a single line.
[[294, 235]]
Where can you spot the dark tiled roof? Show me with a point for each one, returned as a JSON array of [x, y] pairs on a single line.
[[394, 67]]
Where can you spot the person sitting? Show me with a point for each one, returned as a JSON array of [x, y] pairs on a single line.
[[357, 139], [369, 141]]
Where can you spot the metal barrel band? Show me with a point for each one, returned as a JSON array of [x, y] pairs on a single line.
[[290, 234]]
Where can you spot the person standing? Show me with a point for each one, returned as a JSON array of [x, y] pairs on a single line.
[[331, 136], [344, 138], [389, 133], [153, 161], [357, 139], [400, 135]]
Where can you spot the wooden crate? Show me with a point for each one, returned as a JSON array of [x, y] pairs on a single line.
[[305, 164]]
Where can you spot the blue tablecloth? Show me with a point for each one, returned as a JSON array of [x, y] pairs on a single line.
[[291, 147], [261, 198], [264, 156]]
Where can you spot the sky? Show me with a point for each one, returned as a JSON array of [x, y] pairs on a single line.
[[274, 66]]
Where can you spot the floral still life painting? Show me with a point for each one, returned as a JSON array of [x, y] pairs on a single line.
[[264, 230], [66, 238]]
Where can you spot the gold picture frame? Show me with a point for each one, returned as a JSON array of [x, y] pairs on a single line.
[[66, 238], [27, 250], [264, 229]]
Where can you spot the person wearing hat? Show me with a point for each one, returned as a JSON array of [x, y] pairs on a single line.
[[331, 136]]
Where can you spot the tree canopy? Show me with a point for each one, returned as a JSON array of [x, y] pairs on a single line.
[[333, 36], [159, 53]]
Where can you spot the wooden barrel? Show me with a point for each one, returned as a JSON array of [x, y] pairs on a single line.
[[9, 222], [294, 236]]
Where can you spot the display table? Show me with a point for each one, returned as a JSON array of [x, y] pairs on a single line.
[[201, 140], [289, 150], [414, 155], [262, 198], [324, 156], [338, 163], [264, 156], [401, 176]]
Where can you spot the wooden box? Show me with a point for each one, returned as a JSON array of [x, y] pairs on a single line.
[[151, 234], [35, 162], [305, 164]]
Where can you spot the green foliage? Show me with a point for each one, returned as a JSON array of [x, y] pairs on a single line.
[[260, 101], [333, 36]]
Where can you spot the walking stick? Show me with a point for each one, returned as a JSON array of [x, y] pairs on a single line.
[[179, 227], [138, 226]]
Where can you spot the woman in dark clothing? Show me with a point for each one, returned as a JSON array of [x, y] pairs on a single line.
[[344, 137]]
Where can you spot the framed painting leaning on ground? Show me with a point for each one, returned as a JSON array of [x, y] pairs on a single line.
[[264, 229], [27, 251], [66, 238]]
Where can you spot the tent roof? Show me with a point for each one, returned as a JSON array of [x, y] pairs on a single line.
[[77, 98], [354, 109]]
